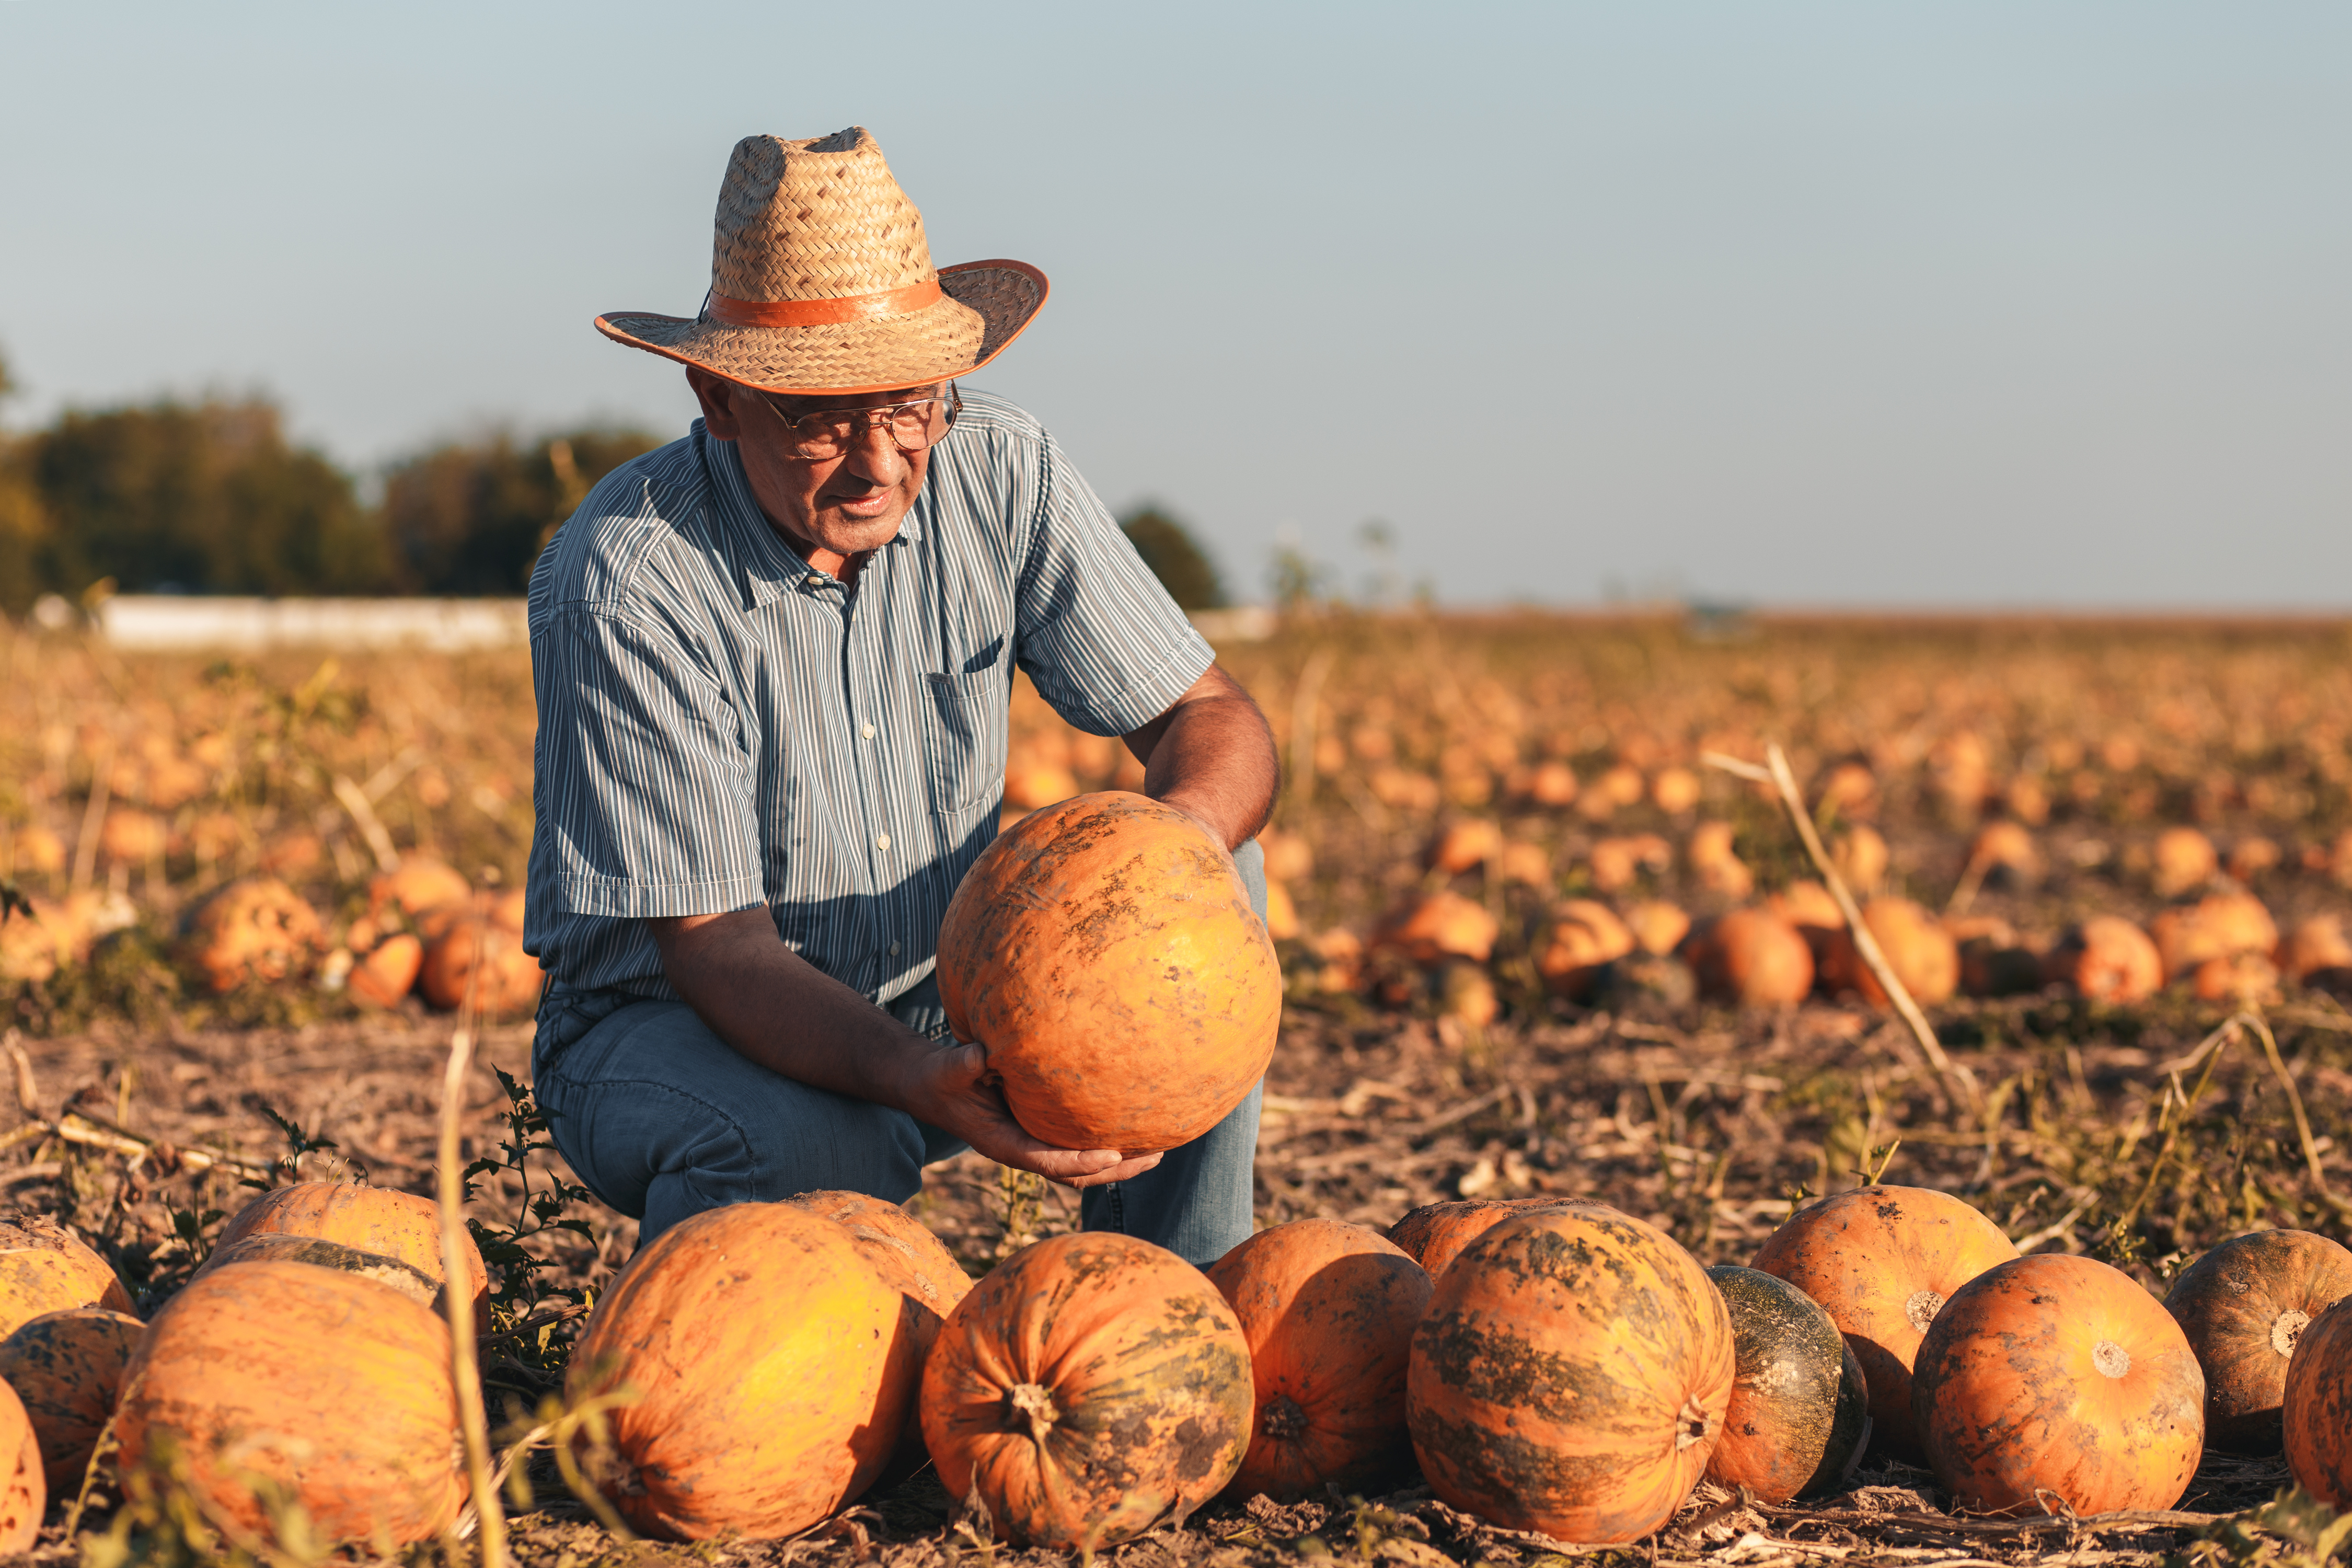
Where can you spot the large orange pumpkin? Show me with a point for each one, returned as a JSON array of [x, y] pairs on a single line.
[[1329, 1309], [1882, 1261], [1090, 1387], [1800, 1414], [2315, 1410], [332, 1386], [274, 1246], [23, 1487], [2243, 1306], [45, 1268], [396, 1225], [1571, 1377], [66, 1367], [1105, 953], [773, 1365], [1435, 1234], [2055, 1379]]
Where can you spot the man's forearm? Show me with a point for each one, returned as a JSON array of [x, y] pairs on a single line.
[[1212, 755]]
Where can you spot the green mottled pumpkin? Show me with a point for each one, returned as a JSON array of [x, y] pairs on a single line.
[[1799, 1415]]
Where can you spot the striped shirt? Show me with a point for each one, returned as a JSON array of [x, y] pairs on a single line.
[[722, 726]]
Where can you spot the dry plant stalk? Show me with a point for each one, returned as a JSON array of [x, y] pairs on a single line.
[[1956, 1079], [464, 1364]]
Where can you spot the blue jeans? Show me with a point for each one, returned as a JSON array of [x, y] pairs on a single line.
[[662, 1120]]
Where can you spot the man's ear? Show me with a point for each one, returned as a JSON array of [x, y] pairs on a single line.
[[717, 396]]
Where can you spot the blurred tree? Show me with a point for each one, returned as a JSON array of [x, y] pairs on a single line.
[[23, 521], [208, 498], [1167, 548], [471, 517]]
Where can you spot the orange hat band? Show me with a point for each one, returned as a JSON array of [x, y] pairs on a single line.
[[822, 313]]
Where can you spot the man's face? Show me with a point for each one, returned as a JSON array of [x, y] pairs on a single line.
[[841, 506]]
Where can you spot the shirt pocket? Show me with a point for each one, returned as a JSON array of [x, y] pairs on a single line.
[[964, 738]]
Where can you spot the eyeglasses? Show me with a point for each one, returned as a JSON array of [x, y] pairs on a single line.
[[829, 432]]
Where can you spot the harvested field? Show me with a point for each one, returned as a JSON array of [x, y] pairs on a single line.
[[2139, 1133]]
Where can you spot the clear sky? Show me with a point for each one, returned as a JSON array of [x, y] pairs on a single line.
[[1932, 303]]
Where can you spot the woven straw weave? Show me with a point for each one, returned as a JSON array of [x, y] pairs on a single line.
[[823, 218]]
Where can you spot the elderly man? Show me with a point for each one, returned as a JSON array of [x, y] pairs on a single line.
[[773, 662]]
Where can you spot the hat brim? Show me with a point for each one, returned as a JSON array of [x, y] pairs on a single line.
[[984, 305]]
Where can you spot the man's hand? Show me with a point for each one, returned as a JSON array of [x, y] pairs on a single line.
[[953, 1089]]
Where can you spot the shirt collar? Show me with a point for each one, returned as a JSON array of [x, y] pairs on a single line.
[[768, 568]]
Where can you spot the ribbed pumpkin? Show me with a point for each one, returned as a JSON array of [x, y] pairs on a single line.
[[332, 1386], [1571, 1377], [66, 1367], [274, 1246], [399, 1225], [45, 1268], [2243, 1306], [2053, 1378], [23, 1487], [1329, 1309], [2315, 1412], [1882, 1261], [1090, 1387], [1105, 953], [1800, 1414], [772, 1363]]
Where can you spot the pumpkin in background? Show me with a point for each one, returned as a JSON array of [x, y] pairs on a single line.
[[387, 972], [332, 1386], [45, 1268], [2107, 959], [2221, 925], [2184, 858], [272, 1246], [2315, 1412], [478, 946], [1091, 1385], [398, 1226], [2243, 1306], [67, 1368], [1570, 1376], [772, 1363], [1752, 957], [1105, 953], [1329, 1310], [1658, 926], [1585, 936], [1441, 926], [1464, 846], [255, 930], [2315, 949], [1917, 947], [1800, 1414], [2058, 1377], [416, 885], [24, 1491], [1882, 1261]]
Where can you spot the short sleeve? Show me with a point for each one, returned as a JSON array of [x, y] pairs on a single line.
[[1099, 636], [646, 809]]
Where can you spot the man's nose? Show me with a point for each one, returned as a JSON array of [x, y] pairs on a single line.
[[875, 457]]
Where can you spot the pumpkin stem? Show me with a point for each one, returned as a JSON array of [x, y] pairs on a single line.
[[1031, 1406], [2287, 1330], [1692, 1424], [1281, 1419], [1922, 1307], [2110, 1358]]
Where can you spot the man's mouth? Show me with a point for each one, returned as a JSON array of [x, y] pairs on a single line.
[[874, 503]]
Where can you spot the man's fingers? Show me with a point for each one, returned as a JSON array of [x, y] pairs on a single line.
[[1083, 1168]]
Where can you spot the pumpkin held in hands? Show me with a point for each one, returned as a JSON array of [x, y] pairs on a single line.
[[1329, 1309], [1882, 1261], [2053, 1380], [2243, 1306], [1570, 1376], [1800, 1414], [1089, 1386], [773, 1365], [1104, 953]]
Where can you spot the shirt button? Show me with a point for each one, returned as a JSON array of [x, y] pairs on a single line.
[[867, 731], [881, 841], [894, 949]]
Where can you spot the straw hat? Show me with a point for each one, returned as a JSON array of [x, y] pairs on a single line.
[[821, 280]]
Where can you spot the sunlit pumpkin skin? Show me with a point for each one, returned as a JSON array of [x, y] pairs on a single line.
[[45, 1268], [1882, 1261], [2315, 1412], [2055, 1378], [772, 1363], [1105, 953], [1090, 1387], [273, 1247], [24, 1487], [1571, 1375], [396, 1225], [334, 1387], [1435, 1234], [2244, 1306], [1329, 1309], [1800, 1414], [67, 1368]]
